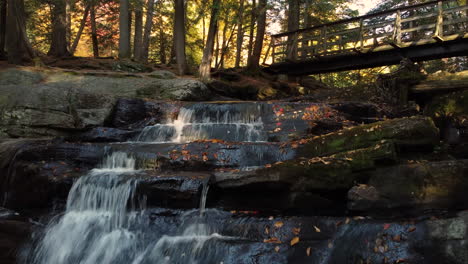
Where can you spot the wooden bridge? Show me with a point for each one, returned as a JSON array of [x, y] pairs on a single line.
[[432, 30]]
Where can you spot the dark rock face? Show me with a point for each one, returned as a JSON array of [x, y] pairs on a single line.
[[104, 134], [423, 185], [176, 189], [138, 113], [14, 232]]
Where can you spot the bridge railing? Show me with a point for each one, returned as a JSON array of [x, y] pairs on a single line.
[[420, 24]]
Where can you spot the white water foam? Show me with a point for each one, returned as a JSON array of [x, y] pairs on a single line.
[[101, 225], [219, 124]]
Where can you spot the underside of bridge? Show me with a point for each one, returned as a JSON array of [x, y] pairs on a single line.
[[355, 61]]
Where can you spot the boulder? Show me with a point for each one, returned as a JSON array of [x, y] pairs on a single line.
[[37, 104], [15, 231], [316, 183], [161, 74], [15, 76], [417, 187], [173, 189], [130, 66], [176, 89], [135, 113], [412, 132], [450, 112], [104, 134]]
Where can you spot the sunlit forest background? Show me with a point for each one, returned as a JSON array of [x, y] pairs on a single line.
[[92, 30]]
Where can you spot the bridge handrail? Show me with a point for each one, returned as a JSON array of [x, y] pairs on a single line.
[[363, 17], [397, 28]]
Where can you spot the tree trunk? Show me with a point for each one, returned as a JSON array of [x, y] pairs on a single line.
[[253, 19], [124, 33], [80, 29], [261, 27], [94, 32], [69, 22], [225, 47], [205, 66], [240, 33], [148, 29], [138, 37], [59, 45], [3, 13], [162, 46], [179, 36], [293, 25], [18, 46], [216, 51]]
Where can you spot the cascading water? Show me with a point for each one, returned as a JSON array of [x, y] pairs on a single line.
[[210, 121], [95, 226], [103, 224]]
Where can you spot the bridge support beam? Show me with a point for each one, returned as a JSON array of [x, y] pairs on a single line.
[[345, 62]]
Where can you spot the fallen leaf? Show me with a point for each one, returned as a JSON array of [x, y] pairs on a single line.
[[396, 238], [267, 230], [294, 241], [386, 226], [411, 229], [268, 166], [279, 224], [317, 229], [273, 240], [277, 249], [296, 231], [308, 251]]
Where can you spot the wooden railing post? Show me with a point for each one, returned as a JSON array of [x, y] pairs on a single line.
[[324, 39], [273, 45], [397, 32], [361, 33], [439, 31]]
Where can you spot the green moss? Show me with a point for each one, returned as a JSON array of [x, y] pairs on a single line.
[[448, 105], [414, 130]]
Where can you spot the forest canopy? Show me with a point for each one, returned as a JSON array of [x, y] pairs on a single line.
[[191, 34]]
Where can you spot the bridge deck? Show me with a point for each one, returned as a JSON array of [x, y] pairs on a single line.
[[425, 31]]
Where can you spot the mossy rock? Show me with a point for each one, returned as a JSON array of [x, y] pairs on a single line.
[[337, 172], [448, 106], [412, 131], [15, 76], [420, 185]]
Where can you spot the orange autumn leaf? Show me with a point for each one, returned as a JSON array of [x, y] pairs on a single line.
[[294, 241], [278, 224], [273, 240]]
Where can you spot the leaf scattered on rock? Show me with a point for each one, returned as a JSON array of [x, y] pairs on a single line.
[[317, 229], [273, 240], [294, 241], [411, 229], [296, 231], [277, 249], [308, 251], [279, 224]]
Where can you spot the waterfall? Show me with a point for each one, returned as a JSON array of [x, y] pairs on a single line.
[[241, 122], [104, 224], [95, 226], [203, 196]]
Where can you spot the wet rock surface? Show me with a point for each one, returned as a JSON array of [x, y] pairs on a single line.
[[289, 179], [15, 231]]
